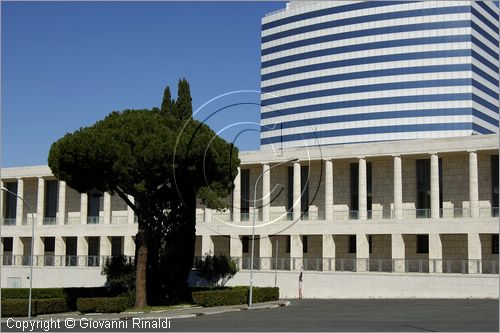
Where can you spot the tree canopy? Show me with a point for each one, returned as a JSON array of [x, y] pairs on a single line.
[[165, 160]]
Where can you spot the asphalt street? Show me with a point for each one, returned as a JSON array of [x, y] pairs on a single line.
[[330, 315], [357, 315]]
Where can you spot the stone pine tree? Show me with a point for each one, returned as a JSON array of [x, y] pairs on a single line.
[[163, 162]]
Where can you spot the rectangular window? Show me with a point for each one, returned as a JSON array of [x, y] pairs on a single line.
[[245, 242], [93, 251], [494, 244], [422, 243], [116, 246], [94, 203], [354, 186], [245, 194], [304, 190], [71, 255], [424, 184], [7, 244], [370, 243], [369, 185], [49, 244], [10, 201], [288, 245], [289, 202], [494, 184], [50, 198], [305, 245], [352, 244]]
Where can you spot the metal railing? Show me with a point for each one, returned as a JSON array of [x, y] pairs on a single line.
[[93, 219], [454, 212], [488, 211], [49, 220], [59, 260], [9, 221], [119, 219]]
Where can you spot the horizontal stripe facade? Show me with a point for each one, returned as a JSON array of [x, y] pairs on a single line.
[[373, 67]]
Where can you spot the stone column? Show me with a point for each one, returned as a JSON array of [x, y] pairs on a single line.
[[104, 246], [328, 190], [83, 208], [2, 197], [207, 245], [107, 208], [266, 193], [82, 250], [208, 215], [296, 254], [474, 253], [39, 248], [473, 185], [20, 203], [362, 212], [17, 248], [434, 186], [237, 197], [435, 254], [362, 252], [398, 252], [61, 205], [296, 191], [130, 212], [40, 202], [236, 249], [328, 253], [59, 249], [128, 246], [265, 252], [398, 189]]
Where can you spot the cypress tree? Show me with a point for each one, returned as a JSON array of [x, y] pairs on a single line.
[[166, 104], [184, 108]]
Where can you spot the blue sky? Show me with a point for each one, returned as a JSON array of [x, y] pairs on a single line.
[[67, 65]]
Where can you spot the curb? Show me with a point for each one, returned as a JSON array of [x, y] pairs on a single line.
[[129, 315]]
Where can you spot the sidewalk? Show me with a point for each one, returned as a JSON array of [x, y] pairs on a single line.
[[188, 312]]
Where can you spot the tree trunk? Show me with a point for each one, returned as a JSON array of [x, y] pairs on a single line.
[[140, 275]]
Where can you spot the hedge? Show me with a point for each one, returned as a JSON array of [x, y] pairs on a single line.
[[102, 304], [38, 293], [19, 307], [234, 296]]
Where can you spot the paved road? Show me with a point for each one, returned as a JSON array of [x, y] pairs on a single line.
[[343, 315], [357, 315]]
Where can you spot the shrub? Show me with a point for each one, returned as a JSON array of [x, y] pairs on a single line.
[[36, 293], [120, 274], [220, 297], [265, 294], [216, 269], [52, 305], [72, 294], [102, 304], [19, 307], [234, 296]]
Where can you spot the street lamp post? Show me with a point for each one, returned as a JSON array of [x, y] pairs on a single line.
[[253, 226], [32, 245]]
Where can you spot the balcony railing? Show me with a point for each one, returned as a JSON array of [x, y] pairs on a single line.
[[57, 261], [93, 219], [488, 212], [49, 220], [9, 221]]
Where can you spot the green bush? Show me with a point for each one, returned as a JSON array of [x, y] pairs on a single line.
[[36, 293], [220, 297], [72, 294], [265, 294], [234, 296], [102, 304], [216, 269], [19, 307]]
